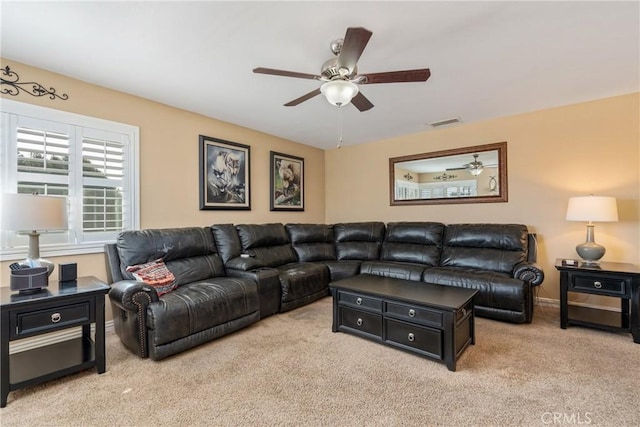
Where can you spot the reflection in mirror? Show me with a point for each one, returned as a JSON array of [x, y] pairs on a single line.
[[475, 174]]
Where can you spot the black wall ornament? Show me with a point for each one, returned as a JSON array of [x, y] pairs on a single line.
[[11, 85]]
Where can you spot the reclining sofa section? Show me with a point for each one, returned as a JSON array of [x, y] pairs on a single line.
[[229, 276], [206, 304]]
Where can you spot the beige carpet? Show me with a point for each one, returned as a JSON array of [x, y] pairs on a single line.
[[290, 369]]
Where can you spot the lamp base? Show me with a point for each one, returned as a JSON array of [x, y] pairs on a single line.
[[590, 252], [33, 256]]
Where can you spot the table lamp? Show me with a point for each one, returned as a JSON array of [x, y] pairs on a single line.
[[30, 214], [592, 209]]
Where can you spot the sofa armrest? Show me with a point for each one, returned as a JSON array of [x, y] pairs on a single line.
[[130, 300], [269, 289], [129, 294], [242, 263], [529, 272]]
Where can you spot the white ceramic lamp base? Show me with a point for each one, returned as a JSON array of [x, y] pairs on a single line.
[[590, 251]]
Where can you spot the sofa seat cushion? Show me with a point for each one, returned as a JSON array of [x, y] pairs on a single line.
[[198, 306], [398, 270], [301, 279], [497, 290], [342, 269]]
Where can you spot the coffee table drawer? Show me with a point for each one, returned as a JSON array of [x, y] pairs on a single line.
[[421, 339], [361, 321], [415, 314], [360, 301]]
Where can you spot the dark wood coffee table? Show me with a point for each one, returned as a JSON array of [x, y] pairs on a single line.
[[430, 320]]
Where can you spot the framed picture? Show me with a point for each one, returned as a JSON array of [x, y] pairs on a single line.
[[287, 182], [224, 174]]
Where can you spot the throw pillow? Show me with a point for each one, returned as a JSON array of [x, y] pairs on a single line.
[[156, 274]]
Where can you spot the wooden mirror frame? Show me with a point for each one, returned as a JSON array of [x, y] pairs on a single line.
[[502, 185]]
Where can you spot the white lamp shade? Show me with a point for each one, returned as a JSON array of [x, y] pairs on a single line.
[[339, 92], [592, 209], [27, 212]]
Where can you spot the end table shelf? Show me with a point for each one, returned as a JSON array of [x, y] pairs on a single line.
[[31, 366], [609, 279], [596, 318], [61, 305]]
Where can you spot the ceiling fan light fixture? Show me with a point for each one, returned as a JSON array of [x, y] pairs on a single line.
[[476, 167], [476, 171], [339, 92]]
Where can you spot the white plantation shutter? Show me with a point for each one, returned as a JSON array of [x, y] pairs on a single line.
[[43, 160], [104, 164], [91, 161], [48, 152]]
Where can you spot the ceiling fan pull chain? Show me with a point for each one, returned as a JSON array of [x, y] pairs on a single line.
[[341, 122]]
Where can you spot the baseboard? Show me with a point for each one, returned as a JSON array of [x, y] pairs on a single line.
[[53, 337], [549, 302]]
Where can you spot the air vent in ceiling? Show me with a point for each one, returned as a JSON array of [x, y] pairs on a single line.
[[446, 122]]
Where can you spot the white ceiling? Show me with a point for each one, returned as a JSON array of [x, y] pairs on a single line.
[[487, 59]]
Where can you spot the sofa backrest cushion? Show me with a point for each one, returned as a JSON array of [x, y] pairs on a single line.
[[268, 243], [227, 241], [415, 242], [359, 240], [495, 247], [189, 253], [312, 242]]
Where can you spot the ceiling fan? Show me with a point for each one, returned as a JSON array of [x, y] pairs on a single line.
[[340, 74], [474, 168]]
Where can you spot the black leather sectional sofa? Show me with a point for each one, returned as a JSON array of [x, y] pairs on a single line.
[[230, 276]]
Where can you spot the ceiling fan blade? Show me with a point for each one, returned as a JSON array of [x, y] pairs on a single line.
[[303, 98], [406, 76], [355, 40], [272, 71], [466, 166], [361, 102]]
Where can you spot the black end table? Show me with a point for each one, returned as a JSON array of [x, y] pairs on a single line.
[[610, 279], [60, 306]]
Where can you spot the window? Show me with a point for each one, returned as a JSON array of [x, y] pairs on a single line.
[[93, 162]]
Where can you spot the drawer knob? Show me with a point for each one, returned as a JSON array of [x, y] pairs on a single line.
[[359, 322], [359, 301], [412, 313], [464, 312], [411, 337], [597, 284], [56, 317]]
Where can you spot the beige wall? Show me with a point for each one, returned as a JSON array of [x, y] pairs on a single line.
[[593, 147], [169, 160], [553, 154]]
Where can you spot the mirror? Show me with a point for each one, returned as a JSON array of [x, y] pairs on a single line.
[[475, 174]]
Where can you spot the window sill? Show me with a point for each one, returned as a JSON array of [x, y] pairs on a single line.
[[18, 254]]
